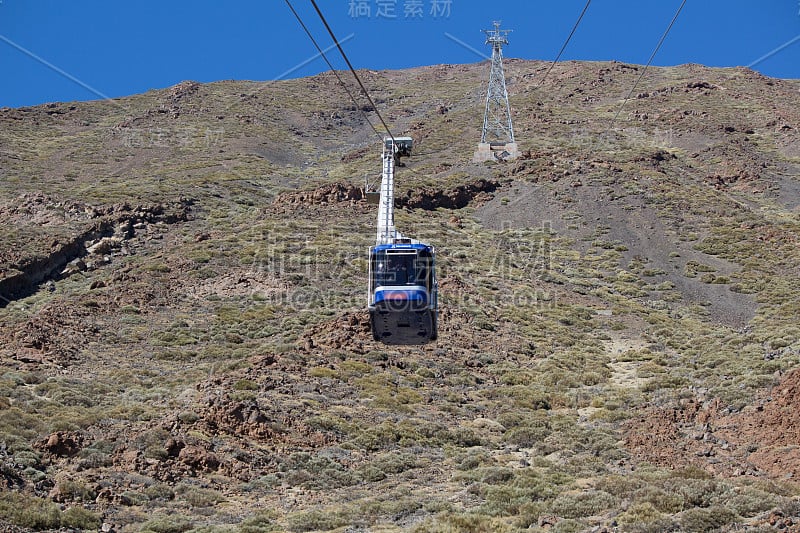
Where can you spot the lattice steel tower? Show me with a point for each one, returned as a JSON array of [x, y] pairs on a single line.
[[497, 137], [497, 117]]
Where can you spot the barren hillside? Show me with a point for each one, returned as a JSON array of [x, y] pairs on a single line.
[[185, 345]]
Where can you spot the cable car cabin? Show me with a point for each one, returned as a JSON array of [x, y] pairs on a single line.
[[403, 292]]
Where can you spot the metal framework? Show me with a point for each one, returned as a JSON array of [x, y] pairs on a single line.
[[497, 117], [386, 230]]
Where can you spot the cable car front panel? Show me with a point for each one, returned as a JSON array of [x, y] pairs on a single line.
[[402, 298]]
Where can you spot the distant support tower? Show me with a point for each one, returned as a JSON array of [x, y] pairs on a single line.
[[497, 137]]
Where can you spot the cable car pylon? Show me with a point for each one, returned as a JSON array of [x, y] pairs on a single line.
[[497, 135]]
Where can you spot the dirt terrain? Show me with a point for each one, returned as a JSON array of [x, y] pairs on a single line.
[[757, 441], [184, 344]]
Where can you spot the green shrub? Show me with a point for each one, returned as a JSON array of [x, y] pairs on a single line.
[[259, 523], [526, 436], [619, 485], [317, 520], [188, 417], [75, 490], [709, 519], [80, 518], [582, 504], [133, 498], [640, 513], [197, 496], [665, 502], [751, 502], [394, 463], [696, 492], [569, 525], [28, 511], [245, 384], [473, 458], [463, 523], [167, 524], [159, 491]]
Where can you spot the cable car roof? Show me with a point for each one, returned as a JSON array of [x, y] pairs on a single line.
[[402, 246]]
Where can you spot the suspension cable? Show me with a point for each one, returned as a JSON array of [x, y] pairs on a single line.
[[335, 73], [355, 74], [660, 42], [564, 46]]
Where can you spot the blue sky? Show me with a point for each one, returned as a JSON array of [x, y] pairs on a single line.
[[62, 50]]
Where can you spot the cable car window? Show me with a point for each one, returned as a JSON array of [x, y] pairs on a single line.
[[424, 265], [395, 269]]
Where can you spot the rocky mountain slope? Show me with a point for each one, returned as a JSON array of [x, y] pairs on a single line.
[[185, 345]]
